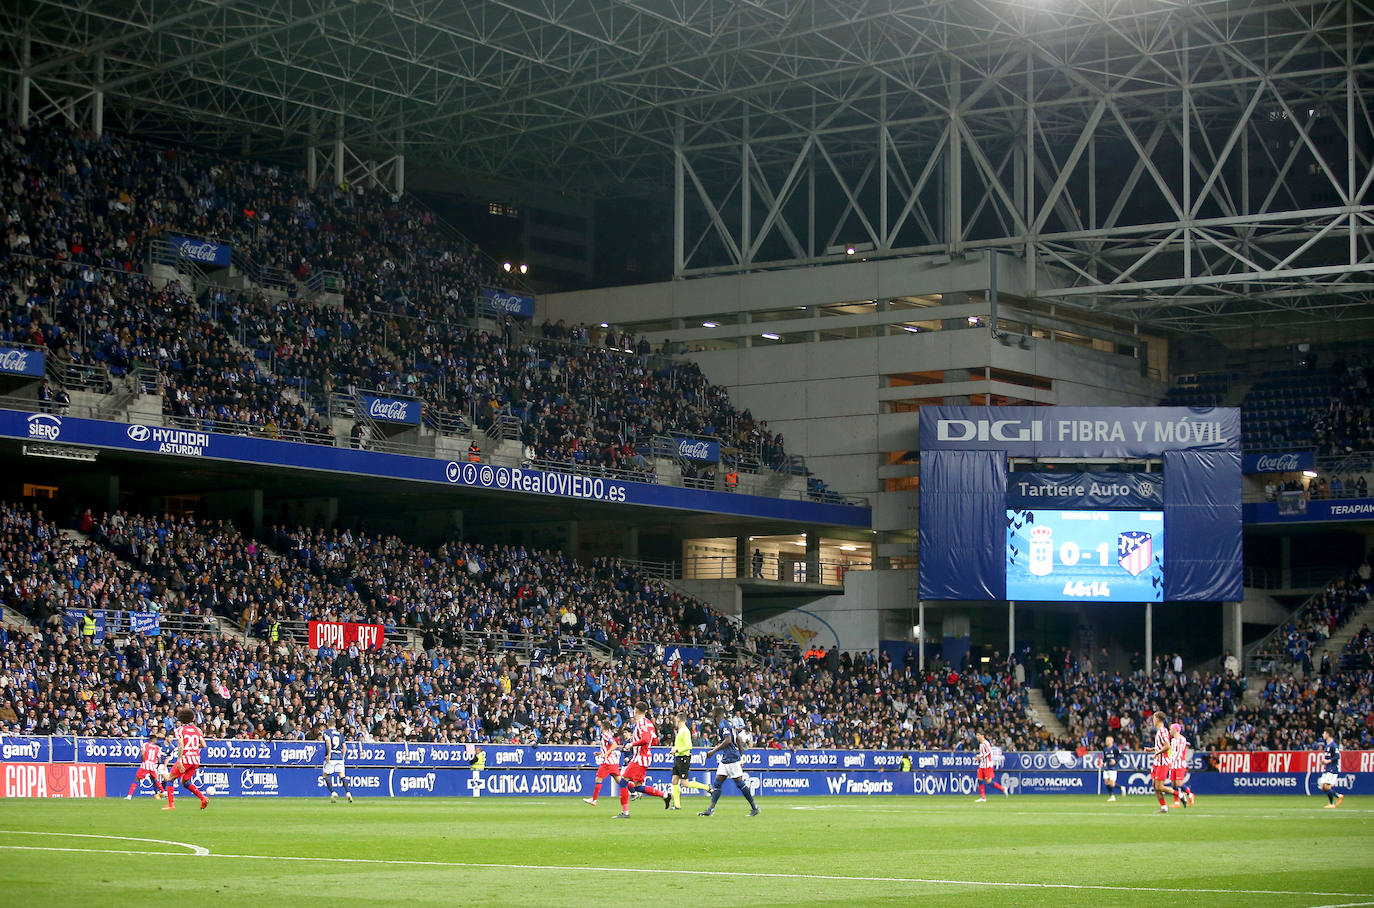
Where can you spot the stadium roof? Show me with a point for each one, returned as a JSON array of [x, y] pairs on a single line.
[[735, 104]]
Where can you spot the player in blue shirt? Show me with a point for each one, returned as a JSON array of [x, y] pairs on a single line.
[[1111, 760], [729, 760], [334, 761], [1331, 767]]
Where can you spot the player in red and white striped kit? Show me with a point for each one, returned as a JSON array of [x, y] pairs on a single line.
[[1178, 766], [149, 759], [1160, 771], [642, 739], [986, 773], [607, 758], [190, 742]]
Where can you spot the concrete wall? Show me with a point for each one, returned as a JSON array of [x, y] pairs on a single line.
[[853, 621]]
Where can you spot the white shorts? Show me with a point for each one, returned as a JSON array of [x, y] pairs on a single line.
[[1329, 778], [1109, 778], [730, 770], [163, 773], [331, 767]]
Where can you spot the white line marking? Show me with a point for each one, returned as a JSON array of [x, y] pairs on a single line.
[[733, 874], [194, 849], [1345, 905]]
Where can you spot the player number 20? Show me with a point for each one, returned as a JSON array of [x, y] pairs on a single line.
[[1069, 554]]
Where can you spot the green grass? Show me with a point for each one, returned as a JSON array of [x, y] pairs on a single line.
[[799, 851]]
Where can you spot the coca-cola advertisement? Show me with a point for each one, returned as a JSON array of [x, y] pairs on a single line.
[[1279, 462], [18, 361], [698, 449], [201, 251], [388, 409], [343, 634]]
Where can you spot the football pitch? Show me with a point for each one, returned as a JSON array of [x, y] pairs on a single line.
[[1271, 851]]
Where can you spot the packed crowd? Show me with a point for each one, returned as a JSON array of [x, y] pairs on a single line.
[[77, 226], [1094, 705], [1294, 712], [472, 606], [1294, 642]]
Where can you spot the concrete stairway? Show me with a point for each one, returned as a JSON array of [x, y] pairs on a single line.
[[1335, 644], [1040, 711]]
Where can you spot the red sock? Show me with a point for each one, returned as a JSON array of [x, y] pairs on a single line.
[[596, 791], [624, 799], [191, 787], [171, 796], [133, 785], [1161, 800], [998, 787], [652, 792], [982, 792]]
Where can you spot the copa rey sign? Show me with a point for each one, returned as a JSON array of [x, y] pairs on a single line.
[[1079, 431], [343, 634]]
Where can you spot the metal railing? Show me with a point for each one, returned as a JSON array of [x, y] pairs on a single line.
[[776, 568], [270, 431], [1263, 665], [1299, 578]]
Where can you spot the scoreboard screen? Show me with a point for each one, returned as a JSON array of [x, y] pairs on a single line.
[[1081, 555]]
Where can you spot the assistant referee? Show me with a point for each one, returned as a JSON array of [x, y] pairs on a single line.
[[682, 761]]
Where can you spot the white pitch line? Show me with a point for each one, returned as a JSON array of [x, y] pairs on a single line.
[[733, 874], [193, 849], [1345, 905]]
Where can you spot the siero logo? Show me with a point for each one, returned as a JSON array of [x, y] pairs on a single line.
[[1277, 463], [14, 360], [417, 783], [45, 426], [988, 430], [30, 749], [257, 779], [138, 433], [398, 410]]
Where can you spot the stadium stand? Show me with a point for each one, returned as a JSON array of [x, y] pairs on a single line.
[[88, 212]]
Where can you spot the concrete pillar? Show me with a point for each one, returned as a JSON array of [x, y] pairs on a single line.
[[813, 556], [25, 83], [331, 511], [921, 640], [743, 554], [98, 98], [1011, 628], [255, 503], [746, 340], [112, 493], [632, 542], [1149, 637], [1233, 630], [1286, 562], [312, 167]]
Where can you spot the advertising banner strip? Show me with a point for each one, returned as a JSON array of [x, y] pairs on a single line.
[[1094, 491], [494, 302], [1296, 508], [21, 361], [341, 635], [203, 252], [391, 410], [45, 780], [1279, 463], [144, 439], [1079, 431]]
